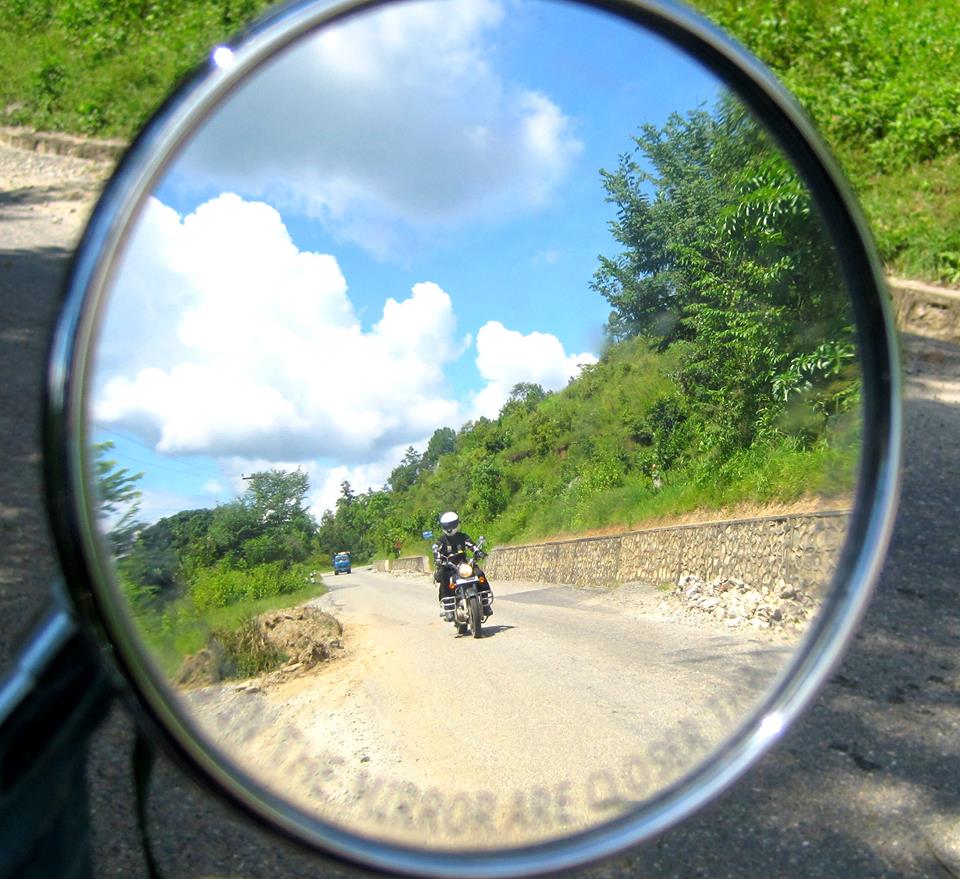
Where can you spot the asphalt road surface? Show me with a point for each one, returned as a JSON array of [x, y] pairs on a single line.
[[572, 707], [867, 784]]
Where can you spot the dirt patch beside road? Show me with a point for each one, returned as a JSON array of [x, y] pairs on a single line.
[[283, 641]]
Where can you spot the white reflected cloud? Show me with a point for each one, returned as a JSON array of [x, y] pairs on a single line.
[[403, 123], [506, 357], [224, 339]]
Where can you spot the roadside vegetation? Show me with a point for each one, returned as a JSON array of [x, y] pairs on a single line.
[[880, 81], [203, 575], [101, 67]]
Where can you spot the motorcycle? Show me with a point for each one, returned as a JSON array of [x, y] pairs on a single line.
[[471, 603]]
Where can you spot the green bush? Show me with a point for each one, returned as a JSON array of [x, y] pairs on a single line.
[[180, 629], [880, 80], [221, 585], [103, 66]]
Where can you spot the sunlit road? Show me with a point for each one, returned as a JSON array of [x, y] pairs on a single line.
[[570, 707]]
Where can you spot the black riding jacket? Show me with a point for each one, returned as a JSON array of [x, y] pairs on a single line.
[[456, 546]]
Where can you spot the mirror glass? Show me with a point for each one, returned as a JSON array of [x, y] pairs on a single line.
[[522, 262]]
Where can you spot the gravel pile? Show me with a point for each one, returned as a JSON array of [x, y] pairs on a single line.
[[413, 575], [737, 604], [306, 635]]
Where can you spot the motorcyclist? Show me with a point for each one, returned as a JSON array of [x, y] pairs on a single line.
[[452, 546]]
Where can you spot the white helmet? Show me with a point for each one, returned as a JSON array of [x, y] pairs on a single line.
[[450, 523]]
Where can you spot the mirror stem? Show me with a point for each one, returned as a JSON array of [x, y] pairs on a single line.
[[50, 703]]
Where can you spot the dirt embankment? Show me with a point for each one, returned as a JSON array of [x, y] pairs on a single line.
[[280, 642]]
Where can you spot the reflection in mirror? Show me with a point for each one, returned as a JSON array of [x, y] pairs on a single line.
[[539, 269]]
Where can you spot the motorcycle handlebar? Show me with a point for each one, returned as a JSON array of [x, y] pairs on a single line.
[[440, 558]]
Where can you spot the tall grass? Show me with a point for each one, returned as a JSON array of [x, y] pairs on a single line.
[[774, 475], [102, 67]]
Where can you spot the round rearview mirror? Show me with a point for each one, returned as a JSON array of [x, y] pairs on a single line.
[[579, 277]]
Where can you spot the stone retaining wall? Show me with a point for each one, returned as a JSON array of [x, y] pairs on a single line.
[[926, 310], [418, 563], [801, 550], [57, 143]]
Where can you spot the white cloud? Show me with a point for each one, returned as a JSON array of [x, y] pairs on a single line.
[[389, 125], [326, 481], [325, 478], [506, 357], [222, 338], [546, 257]]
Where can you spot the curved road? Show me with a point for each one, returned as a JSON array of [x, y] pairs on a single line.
[[571, 707]]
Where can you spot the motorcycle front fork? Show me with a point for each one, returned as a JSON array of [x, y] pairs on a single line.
[[449, 602]]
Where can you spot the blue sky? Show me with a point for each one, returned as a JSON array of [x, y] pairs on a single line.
[[442, 156]]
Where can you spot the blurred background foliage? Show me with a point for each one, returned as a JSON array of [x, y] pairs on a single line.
[[880, 80]]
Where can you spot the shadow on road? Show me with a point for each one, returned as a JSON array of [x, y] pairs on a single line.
[[493, 631], [26, 320]]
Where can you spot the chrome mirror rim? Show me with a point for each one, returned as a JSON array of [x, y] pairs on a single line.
[[78, 544]]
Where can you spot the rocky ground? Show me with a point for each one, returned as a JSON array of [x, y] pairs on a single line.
[[782, 609], [283, 642]]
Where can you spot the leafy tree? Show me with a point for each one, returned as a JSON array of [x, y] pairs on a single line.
[[489, 493], [119, 498], [443, 442], [405, 473], [352, 525], [526, 395], [162, 554], [277, 497], [722, 249], [232, 525]]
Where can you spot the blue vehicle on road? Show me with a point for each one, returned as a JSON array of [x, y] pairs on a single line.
[[341, 563]]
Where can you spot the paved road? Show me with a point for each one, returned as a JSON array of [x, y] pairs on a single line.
[[866, 785], [572, 707]]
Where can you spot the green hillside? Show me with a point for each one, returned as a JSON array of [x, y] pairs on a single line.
[[879, 78], [729, 375]]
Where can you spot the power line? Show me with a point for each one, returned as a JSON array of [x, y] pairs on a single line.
[[154, 466], [199, 468]]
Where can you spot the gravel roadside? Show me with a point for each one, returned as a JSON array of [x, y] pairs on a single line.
[[866, 785]]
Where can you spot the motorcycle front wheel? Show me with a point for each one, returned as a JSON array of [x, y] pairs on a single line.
[[473, 610]]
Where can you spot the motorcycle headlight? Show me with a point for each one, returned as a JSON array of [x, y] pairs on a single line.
[[465, 570]]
